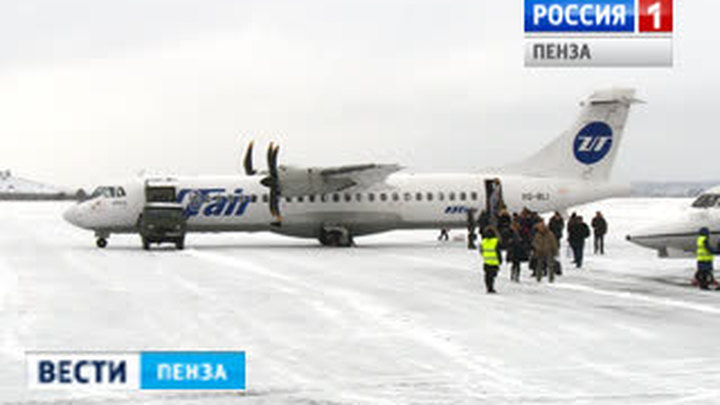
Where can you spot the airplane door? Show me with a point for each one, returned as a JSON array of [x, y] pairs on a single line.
[[494, 201]]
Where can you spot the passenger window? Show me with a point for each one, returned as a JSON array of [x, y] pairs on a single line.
[[383, 197], [371, 197], [253, 198], [311, 198], [323, 197], [429, 196], [407, 196], [463, 196], [348, 197], [265, 198], [336, 197], [288, 199], [395, 196], [358, 197], [451, 196], [441, 196], [418, 196], [473, 196], [300, 199]]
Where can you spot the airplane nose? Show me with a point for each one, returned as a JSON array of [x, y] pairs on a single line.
[[72, 215]]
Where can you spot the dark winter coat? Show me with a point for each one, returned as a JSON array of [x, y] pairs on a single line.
[[483, 221], [518, 250], [578, 232], [556, 225], [599, 226]]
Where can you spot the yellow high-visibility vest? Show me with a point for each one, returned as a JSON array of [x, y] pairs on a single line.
[[489, 251], [703, 254]]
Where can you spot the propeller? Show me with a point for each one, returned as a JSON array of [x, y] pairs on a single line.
[[248, 161], [272, 180]]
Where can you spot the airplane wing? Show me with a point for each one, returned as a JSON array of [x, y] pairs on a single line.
[[289, 181], [362, 176], [295, 181]]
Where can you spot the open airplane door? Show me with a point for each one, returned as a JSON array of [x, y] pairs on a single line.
[[494, 201]]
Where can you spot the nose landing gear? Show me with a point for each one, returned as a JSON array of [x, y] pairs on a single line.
[[101, 240]]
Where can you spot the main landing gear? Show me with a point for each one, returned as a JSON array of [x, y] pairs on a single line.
[[336, 236]]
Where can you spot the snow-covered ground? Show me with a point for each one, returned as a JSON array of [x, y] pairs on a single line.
[[401, 318]]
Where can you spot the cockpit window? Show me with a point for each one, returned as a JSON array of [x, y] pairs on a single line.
[[97, 193], [108, 192], [706, 201]]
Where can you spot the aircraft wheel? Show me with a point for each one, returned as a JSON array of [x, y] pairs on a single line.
[[101, 243], [323, 238]]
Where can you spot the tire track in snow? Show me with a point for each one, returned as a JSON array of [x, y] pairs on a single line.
[[630, 296], [480, 367]]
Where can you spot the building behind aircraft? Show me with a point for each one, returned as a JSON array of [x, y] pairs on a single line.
[[19, 189]]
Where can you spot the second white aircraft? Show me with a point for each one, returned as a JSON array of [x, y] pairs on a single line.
[[335, 204], [676, 235]]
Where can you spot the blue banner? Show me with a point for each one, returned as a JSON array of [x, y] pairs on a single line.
[[579, 15], [192, 370]]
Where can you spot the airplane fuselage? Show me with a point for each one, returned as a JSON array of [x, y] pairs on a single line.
[[403, 201], [676, 235]]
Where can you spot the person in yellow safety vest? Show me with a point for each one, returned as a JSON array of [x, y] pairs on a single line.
[[704, 274], [490, 250]]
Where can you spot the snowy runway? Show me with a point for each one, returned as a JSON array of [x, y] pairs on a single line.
[[400, 319]]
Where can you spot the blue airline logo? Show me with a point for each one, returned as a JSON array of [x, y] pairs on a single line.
[[213, 202], [456, 209], [579, 15], [593, 142]]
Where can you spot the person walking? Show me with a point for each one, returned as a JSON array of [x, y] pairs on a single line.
[[578, 231], [490, 250], [545, 248], [516, 251], [704, 253], [444, 235], [556, 225], [471, 226], [600, 227], [483, 221]]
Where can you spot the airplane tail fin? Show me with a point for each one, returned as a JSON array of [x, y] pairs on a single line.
[[588, 149]]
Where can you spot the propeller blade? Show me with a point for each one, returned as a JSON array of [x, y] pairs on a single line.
[[272, 160], [269, 157], [248, 162], [272, 180], [274, 203]]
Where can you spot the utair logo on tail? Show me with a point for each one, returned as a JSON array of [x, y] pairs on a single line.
[[593, 142]]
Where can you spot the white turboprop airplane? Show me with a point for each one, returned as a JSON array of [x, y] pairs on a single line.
[[678, 237], [336, 204]]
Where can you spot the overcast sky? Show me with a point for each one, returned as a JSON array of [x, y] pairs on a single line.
[[92, 90]]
